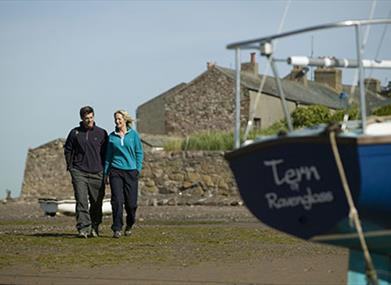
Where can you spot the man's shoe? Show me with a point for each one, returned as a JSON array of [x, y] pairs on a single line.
[[117, 234], [94, 232], [128, 231], [83, 234]]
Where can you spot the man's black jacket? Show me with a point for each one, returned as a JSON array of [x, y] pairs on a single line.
[[85, 149]]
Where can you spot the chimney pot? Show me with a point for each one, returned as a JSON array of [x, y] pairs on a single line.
[[210, 65], [253, 57], [250, 68]]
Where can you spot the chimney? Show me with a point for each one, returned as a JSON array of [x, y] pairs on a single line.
[[251, 68], [329, 76], [298, 74], [372, 84]]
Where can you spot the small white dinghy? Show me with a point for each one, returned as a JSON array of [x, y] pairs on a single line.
[[52, 206]]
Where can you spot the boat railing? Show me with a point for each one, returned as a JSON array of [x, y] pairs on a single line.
[[265, 46]]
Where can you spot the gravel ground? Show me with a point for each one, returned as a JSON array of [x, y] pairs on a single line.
[[171, 245]]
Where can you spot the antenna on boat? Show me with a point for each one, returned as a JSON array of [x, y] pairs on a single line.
[[312, 55]]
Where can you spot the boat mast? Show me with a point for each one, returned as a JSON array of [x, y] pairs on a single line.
[[361, 79]]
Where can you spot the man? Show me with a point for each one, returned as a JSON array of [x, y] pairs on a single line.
[[84, 152]]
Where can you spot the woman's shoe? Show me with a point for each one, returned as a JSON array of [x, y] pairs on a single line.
[[128, 231]]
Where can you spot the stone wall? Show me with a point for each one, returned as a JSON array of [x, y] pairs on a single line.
[[45, 172], [168, 178], [190, 178]]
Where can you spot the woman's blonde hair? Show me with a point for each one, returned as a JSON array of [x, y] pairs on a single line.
[[126, 117]]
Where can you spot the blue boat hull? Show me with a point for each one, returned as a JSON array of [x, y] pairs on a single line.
[[292, 184], [374, 201]]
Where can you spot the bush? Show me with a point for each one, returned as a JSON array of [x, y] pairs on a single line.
[[338, 115], [317, 114], [383, 111], [311, 115]]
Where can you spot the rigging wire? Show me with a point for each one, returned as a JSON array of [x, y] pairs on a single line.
[[381, 41], [263, 80], [364, 42]]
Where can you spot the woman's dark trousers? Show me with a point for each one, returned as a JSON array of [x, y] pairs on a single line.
[[124, 191]]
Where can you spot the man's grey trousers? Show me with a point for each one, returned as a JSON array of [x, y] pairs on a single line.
[[88, 187]]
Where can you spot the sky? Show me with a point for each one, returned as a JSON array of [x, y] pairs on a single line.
[[57, 56]]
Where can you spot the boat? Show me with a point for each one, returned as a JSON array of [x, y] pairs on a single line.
[[53, 206], [315, 183]]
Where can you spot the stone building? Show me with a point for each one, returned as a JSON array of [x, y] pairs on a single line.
[[207, 102]]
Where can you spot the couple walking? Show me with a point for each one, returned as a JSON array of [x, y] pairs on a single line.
[[94, 159]]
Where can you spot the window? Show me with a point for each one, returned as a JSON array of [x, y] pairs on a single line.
[[257, 123]]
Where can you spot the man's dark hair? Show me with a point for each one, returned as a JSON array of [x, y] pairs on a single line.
[[86, 110]]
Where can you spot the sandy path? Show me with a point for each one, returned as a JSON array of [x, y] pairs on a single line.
[[293, 270]]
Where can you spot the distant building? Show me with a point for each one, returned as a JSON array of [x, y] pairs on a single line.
[[207, 102]]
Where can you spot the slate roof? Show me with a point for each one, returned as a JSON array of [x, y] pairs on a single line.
[[374, 100], [314, 93]]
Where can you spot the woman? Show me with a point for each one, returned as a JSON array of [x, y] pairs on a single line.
[[123, 165]]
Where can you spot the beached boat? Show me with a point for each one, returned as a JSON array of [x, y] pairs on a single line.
[[314, 183], [52, 206]]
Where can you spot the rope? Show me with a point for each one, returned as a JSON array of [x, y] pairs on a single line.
[[353, 214], [263, 80]]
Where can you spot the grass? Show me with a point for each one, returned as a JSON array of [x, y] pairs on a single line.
[[175, 244], [28, 222], [218, 140]]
